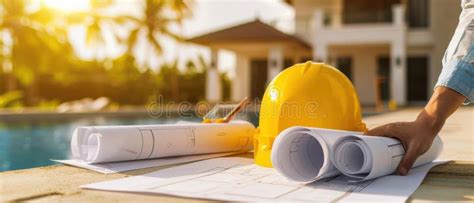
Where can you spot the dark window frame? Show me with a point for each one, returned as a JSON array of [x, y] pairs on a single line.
[[418, 13]]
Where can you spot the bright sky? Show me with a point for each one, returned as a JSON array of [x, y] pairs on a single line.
[[208, 15]]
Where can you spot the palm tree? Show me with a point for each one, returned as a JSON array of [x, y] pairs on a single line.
[[156, 22], [157, 19], [169, 76], [36, 42], [94, 20], [32, 43]]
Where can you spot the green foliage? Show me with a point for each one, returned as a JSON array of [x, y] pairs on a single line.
[[48, 104], [156, 22], [45, 70], [226, 84], [11, 99]]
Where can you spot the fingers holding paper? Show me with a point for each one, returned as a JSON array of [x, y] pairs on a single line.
[[415, 139], [308, 154]]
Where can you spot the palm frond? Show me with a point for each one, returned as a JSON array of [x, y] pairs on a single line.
[[98, 4], [132, 39], [94, 34], [154, 42]]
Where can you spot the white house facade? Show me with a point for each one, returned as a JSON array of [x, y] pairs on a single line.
[[390, 49]]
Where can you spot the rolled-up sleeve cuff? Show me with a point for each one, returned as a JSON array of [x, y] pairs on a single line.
[[458, 75]]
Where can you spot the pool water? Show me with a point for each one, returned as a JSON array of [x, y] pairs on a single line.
[[32, 142]]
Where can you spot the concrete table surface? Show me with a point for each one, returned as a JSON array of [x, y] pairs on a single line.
[[448, 182]]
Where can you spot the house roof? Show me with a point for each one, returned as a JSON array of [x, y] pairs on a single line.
[[254, 31], [290, 2]]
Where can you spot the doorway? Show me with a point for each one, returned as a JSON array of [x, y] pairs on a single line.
[[258, 78], [383, 73], [417, 79], [344, 64]]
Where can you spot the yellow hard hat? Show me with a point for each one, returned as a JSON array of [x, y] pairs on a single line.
[[307, 94]]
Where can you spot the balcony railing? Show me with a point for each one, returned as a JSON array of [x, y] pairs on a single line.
[[395, 16], [367, 17]]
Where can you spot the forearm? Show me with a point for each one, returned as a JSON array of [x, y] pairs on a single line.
[[441, 105]]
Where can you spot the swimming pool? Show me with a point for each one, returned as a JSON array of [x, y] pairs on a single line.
[[32, 141], [28, 143]]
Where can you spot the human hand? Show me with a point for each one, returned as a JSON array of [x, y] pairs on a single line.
[[415, 136]]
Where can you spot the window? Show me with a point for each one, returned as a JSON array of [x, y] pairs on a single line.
[[418, 13], [258, 83], [417, 78], [368, 11], [305, 59], [383, 74], [287, 63], [344, 64]]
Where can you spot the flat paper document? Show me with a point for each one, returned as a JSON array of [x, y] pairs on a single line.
[[115, 167], [308, 154], [238, 179], [99, 144]]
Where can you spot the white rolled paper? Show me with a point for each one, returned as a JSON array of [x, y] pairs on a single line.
[[306, 154], [96, 144], [303, 154], [367, 157]]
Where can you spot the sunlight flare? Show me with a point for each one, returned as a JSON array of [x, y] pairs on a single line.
[[67, 5]]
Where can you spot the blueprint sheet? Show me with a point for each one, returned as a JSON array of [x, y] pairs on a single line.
[[121, 166], [102, 144], [305, 154], [239, 179]]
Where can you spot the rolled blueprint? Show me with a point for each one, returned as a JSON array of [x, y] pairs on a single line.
[[96, 144], [303, 154], [367, 157]]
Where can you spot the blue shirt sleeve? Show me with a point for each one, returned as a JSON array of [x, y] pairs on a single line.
[[458, 75], [458, 61]]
